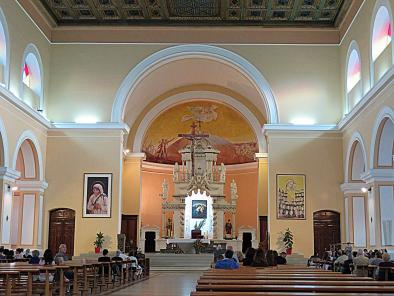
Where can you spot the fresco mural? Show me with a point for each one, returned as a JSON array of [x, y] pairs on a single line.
[[228, 132]]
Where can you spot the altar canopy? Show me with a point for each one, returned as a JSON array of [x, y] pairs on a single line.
[[198, 200]]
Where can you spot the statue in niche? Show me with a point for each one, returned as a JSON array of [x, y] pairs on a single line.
[[169, 228], [222, 173], [176, 172], [233, 190], [164, 186], [228, 228]]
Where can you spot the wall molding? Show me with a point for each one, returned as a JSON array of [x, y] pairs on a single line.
[[385, 82], [90, 126], [22, 106]]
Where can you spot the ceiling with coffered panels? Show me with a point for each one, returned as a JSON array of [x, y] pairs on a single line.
[[276, 13]]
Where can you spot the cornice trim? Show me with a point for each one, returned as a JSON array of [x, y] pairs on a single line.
[[268, 128], [91, 126], [9, 174], [18, 103], [367, 99], [29, 186], [378, 175]]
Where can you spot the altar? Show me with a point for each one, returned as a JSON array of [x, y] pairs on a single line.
[[186, 245]]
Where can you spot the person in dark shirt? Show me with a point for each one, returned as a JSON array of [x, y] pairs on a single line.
[[386, 263], [35, 259], [259, 259], [281, 260], [248, 260], [104, 258]]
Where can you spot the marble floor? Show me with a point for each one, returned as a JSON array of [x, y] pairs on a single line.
[[164, 284]]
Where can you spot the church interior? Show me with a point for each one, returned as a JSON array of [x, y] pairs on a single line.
[[175, 128]]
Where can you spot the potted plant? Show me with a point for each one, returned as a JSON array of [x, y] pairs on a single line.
[[288, 240], [98, 243]]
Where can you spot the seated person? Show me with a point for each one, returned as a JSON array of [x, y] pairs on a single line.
[[60, 257], [18, 254], [35, 259], [386, 263], [282, 258], [116, 269], [259, 259], [346, 268], [359, 261], [104, 258], [314, 260], [248, 260], [47, 259], [228, 262]]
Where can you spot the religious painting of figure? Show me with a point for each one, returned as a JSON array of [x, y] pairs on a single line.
[[228, 130], [97, 196], [199, 209], [290, 199]]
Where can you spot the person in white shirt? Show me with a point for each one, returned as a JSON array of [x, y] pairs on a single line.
[[358, 261]]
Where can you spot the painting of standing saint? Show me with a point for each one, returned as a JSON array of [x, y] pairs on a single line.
[[290, 196], [229, 132], [199, 209]]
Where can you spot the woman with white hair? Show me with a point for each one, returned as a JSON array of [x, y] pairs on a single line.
[[98, 201]]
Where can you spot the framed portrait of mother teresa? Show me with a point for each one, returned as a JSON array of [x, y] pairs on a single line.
[[97, 195], [290, 197]]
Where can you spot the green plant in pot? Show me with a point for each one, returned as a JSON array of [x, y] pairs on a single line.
[[288, 240], [98, 243]]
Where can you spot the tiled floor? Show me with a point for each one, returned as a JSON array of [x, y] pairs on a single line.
[[164, 284]]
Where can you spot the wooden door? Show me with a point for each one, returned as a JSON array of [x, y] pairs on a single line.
[[264, 231], [61, 230], [129, 228], [326, 227]]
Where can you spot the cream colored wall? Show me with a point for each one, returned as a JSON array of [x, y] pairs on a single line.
[[85, 78], [319, 157], [70, 154], [16, 122], [360, 31], [22, 31]]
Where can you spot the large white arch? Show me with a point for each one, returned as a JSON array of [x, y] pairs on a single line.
[[188, 96], [356, 137], [177, 52], [386, 112], [4, 139], [32, 49], [353, 46], [3, 22], [29, 135], [378, 4]]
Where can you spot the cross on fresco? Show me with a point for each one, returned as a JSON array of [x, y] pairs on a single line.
[[227, 129]]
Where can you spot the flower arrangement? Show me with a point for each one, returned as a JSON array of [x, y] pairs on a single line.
[[199, 225], [198, 246], [98, 243], [288, 240]]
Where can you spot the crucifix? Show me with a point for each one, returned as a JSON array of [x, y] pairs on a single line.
[[193, 136]]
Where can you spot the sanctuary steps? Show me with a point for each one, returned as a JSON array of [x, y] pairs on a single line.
[[179, 262]]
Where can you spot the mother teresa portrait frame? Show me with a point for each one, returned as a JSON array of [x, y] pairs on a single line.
[[97, 195]]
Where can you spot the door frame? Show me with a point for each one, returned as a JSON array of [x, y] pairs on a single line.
[[338, 214], [49, 232]]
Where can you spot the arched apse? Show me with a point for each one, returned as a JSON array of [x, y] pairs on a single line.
[[32, 78], [4, 51], [190, 96], [28, 144], [356, 159], [179, 52], [382, 142]]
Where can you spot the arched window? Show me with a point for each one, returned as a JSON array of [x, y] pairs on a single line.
[[381, 57], [353, 91], [353, 70], [32, 80], [4, 50], [381, 33]]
